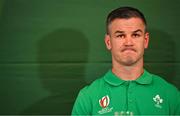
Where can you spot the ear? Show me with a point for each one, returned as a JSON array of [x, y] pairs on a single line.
[[146, 41], [108, 42]]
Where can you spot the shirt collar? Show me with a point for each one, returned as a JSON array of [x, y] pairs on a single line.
[[112, 79]]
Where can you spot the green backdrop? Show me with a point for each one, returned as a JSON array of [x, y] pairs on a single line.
[[50, 49]]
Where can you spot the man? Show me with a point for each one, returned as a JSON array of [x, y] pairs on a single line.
[[127, 89]]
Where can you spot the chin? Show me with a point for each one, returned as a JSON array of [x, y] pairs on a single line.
[[129, 62]]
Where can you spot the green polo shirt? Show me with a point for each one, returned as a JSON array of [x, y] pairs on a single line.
[[109, 95]]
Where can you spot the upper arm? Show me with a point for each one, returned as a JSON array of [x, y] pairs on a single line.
[[177, 109], [82, 105], [174, 99]]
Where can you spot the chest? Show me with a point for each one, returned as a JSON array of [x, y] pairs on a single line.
[[130, 99]]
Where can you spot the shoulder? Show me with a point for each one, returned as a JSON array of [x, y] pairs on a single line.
[[94, 87], [161, 82], [172, 94], [84, 100], [169, 90]]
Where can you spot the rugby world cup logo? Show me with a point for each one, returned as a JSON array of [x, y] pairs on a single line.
[[104, 101]]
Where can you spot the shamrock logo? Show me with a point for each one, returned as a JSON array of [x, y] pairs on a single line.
[[158, 100]]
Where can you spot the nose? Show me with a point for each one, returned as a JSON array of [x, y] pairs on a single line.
[[128, 41]]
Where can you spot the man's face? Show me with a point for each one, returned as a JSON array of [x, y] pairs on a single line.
[[127, 40]]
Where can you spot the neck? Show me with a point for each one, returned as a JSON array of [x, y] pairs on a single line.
[[128, 72]]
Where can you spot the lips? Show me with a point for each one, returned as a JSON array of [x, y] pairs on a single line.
[[128, 49]]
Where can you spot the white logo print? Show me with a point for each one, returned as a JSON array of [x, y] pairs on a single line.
[[158, 100], [104, 103]]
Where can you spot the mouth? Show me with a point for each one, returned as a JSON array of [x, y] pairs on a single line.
[[128, 49]]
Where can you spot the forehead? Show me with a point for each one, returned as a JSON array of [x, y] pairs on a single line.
[[130, 24]]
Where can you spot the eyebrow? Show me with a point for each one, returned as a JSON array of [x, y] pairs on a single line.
[[119, 32], [138, 30]]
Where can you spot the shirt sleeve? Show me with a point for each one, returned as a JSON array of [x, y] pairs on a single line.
[[82, 105], [177, 109], [174, 99]]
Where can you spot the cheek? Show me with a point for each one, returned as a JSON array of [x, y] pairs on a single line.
[[116, 49], [117, 44], [141, 48]]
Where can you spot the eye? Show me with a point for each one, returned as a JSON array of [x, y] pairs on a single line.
[[120, 36], [135, 35]]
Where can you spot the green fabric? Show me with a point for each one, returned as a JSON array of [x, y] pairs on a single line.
[[110, 95]]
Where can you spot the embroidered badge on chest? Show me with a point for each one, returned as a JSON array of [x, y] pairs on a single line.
[[158, 101], [104, 103]]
